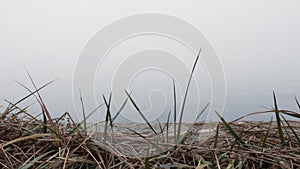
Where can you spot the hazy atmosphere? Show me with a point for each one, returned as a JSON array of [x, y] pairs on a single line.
[[257, 43]]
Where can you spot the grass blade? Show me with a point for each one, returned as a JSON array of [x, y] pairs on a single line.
[[266, 134], [24, 98], [44, 108], [35, 119], [278, 120], [175, 112], [167, 125], [230, 129], [145, 138], [106, 121], [89, 115], [25, 87], [121, 108], [76, 129], [198, 116], [216, 136], [24, 138], [160, 127], [31, 163], [290, 113], [83, 113], [140, 112], [108, 112], [295, 134], [185, 95], [298, 104]]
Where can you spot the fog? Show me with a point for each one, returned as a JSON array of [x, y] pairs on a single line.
[[257, 43]]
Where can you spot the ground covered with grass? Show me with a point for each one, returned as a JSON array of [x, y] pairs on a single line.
[[29, 142]]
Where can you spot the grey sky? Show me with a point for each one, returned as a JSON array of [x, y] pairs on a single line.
[[257, 42]]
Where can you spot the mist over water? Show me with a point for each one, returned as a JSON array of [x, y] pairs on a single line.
[[257, 43]]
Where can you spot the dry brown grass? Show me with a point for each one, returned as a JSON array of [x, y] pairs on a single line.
[[24, 144], [30, 142]]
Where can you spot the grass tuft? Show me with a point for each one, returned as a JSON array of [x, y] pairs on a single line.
[[28, 141]]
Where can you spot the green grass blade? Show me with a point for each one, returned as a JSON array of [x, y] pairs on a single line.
[[84, 120], [24, 98], [108, 113], [295, 134], [161, 130], [278, 120], [106, 117], [216, 136], [25, 87], [83, 113], [140, 112], [147, 165], [160, 126], [44, 108], [90, 114], [264, 141], [298, 104], [230, 129], [40, 99], [167, 125], [107, 121], [145, 138], [175, 112], [185, 95], [290, 113], [31, 163], [189, 129], [35, 119], [121, 108]]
